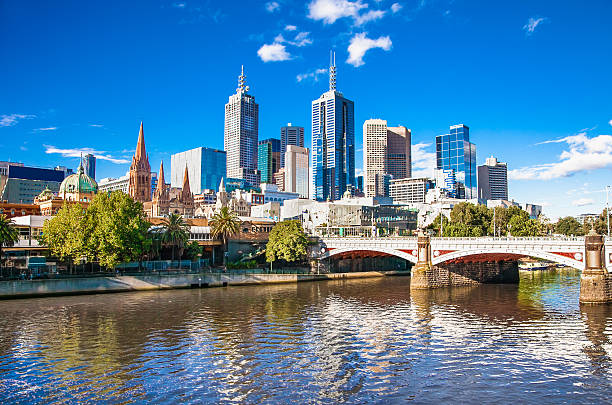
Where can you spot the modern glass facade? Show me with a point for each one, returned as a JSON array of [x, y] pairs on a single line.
[[89, 164], [268, 159], [333, 146], [455, 151], [206, 168]]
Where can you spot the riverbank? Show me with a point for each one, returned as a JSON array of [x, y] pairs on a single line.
[[97, 285]]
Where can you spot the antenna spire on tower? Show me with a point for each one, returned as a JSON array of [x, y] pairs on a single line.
[[332, 70], [242, 87]]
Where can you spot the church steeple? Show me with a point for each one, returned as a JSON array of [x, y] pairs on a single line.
[[186, 188], [161, 182], [141, 152], [140, 172]]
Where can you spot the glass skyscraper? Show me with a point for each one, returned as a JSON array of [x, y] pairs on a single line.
[[206, 168], [268, 159], [241, 133], [89, 164], [290, 135], [455, 151], [333, 143]]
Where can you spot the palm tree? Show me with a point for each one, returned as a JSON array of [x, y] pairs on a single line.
[[176, 232], [8, 234], [224, 224]]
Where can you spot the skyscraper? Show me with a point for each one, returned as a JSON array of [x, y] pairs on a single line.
[[386, 154], [140, 172], [333, 142], [296, 170], [290, 135], [455, 151], [242, 133], [89, 164], [493, 180], [206, 168], [268, 159]]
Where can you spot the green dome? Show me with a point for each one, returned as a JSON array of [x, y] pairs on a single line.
[[78, 183], [45, 194]]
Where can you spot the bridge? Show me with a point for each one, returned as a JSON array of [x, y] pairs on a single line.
[[442, 262], [569, 251]]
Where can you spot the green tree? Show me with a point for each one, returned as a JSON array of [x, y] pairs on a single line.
[[65, 234], [8, 234], [117, 229], [193, 250], [569, 226], [601, 224], [176, 233], [287, 242], [224, 224], [519, 226]]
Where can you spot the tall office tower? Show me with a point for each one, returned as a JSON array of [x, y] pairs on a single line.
[[493, 180], [206, 168], [89, 164], [386, 154], [333, 142], [140, 172], [455, 151], [268, 159], [359, 180], [296, 170], [241, 133], [290, 135]]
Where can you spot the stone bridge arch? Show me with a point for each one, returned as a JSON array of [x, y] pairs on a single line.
[[572, 259], [405, 254]]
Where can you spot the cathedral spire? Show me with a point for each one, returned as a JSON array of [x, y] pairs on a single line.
[[141, 152], [222, 186], [161, 182], [186, 188]]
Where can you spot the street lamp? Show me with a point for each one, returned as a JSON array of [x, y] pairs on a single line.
[[608, 209]]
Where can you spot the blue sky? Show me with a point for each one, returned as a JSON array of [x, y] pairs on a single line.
[[530, 78]]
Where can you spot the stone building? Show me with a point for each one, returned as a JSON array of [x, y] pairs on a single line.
[[140, 172], [168, 200]]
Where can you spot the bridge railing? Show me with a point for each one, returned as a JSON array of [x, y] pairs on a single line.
[[467, 239]]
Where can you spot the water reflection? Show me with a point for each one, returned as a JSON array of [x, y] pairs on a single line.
[[350, 340]]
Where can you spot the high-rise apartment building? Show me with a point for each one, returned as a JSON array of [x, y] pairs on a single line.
[[290, 135], [333, 143], [268, 159], [410, 190], [493, 180], [206, 167], [455, 151], [296, 170], [89, 165], [386, 154], [21, 184], [241, 133]]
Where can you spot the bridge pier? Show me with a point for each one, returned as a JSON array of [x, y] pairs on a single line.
[[422, 275], [595, 281]]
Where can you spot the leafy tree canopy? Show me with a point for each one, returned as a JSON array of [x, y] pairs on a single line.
[[287, 242]]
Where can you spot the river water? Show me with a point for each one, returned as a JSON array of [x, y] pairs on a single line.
[[357, 341]]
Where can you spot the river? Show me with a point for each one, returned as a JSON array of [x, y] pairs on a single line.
[[355, 341]]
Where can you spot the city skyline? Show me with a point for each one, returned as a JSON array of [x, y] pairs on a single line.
[[546, 121]]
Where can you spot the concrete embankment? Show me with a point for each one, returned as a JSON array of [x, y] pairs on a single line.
[[96, 285]]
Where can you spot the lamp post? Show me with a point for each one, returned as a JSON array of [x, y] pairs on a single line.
[[608, 209]]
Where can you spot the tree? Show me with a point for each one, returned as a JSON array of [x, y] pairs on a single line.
[[601, 223], [224, 224], [176, 232], [64, 234], [117, 229], [287, 242], [521, 226], [569, 226], [8, 234], [193, 250]]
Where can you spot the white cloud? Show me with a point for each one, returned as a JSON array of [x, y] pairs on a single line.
[[290, 28], [272, 6], [179, 5], [371, 15], [46, 129], [581, 202], [331, 10], [532, 24], [275, 52], [360, 44], [395, 7], [301, 39], [314, 75], [13, 119], [583, 154], [96, 125], [49, 149], [610, 122], [423, 161]]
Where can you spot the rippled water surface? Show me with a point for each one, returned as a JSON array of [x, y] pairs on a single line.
[[352, 341]]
